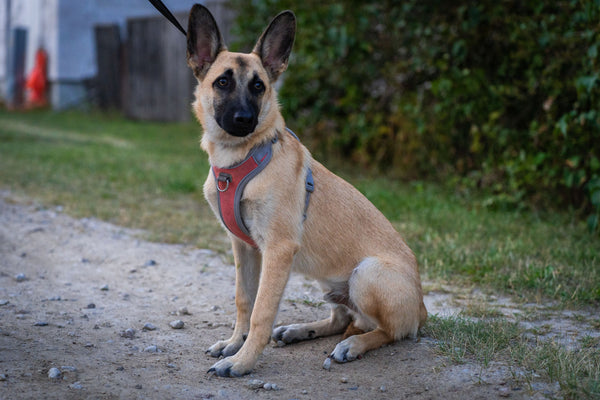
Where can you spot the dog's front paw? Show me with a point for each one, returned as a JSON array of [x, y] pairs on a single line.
[[292, 333], [229, 368], [225, 348], [346, 351]]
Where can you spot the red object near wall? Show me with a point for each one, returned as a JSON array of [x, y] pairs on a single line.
[[37, 81]]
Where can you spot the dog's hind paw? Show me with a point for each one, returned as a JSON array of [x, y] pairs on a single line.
[[291, 334], [344, 352]]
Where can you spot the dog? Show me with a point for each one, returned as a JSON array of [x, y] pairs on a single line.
[[293, 214]]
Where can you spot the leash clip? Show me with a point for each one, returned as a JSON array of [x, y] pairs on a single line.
[[223, 177]]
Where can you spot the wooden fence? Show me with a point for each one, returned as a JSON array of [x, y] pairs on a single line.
[[147, 77]]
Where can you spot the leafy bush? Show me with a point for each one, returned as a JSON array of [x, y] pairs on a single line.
[[502, 94]]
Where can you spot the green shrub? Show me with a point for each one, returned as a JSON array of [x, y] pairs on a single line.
[[501, 94]]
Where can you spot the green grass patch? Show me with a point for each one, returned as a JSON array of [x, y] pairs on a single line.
[[461, 339], [150, 175], [136, 174]]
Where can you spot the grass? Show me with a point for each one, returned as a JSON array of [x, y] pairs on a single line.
[[135, 174], [150, 176], [576, 371]]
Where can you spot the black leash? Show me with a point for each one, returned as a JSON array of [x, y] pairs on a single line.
[[160, 6]]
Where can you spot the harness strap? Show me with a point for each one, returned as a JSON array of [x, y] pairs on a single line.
[[230, 183]]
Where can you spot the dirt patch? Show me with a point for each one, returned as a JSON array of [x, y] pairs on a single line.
[[76, 294]]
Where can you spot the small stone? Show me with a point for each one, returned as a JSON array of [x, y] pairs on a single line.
[[327, 364], [20, 277], [304, 391], [91, 305], [504, 392], [171, 365], [382, 389], [88, 344], [85, 260], [255, 384], [128, 333], [177, 324], [41, 323], [4, 302], [344, 379], [104, 287], [151, 349], [76, 385], [150, 263], [54, 373], [183, 311], [149, 327], [274, 386], [3, 377], [68, 368], [267, 386], [138, 386]]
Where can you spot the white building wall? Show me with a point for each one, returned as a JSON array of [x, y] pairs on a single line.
[[65, 28]]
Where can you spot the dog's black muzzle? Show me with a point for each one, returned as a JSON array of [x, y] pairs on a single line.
[[239, 121]]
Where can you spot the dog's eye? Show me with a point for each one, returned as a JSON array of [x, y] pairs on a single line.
[[259, 86], [223, 82]]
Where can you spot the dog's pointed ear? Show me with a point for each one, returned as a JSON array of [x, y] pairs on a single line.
[[204, 41], [275, 44]]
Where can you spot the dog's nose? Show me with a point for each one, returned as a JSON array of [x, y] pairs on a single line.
[[243, 117]]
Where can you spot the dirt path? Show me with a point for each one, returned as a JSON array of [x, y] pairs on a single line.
[[87, 282]]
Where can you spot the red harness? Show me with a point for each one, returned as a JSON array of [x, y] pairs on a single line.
[[231, 182]]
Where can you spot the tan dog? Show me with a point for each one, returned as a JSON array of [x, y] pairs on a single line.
[[365, 268]]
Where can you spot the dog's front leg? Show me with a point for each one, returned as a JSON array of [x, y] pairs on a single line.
[[247, 272], [276, 266]]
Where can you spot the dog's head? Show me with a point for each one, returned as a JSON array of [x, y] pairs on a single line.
[[235, 96]]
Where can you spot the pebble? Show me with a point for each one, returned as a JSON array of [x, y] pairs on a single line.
[[344, 379], [128, 333], [382, 389], [91, 305], [177, 324], [4, 302], [68, 368], [20, 277], [76, 385], [270, 386], [327, 364], [104, 287], [41, 323], [152, 349], [54, 373], [3, 377], [149, 327], [150, 263], [183, 311], [255, 384]]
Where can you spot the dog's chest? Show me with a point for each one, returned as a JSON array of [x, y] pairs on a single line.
[[252, 204]]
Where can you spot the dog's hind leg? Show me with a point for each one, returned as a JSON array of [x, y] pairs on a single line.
[[337, 322], [388, 295], [247, 273]]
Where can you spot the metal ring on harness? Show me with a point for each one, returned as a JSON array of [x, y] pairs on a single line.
[[223, 178]]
